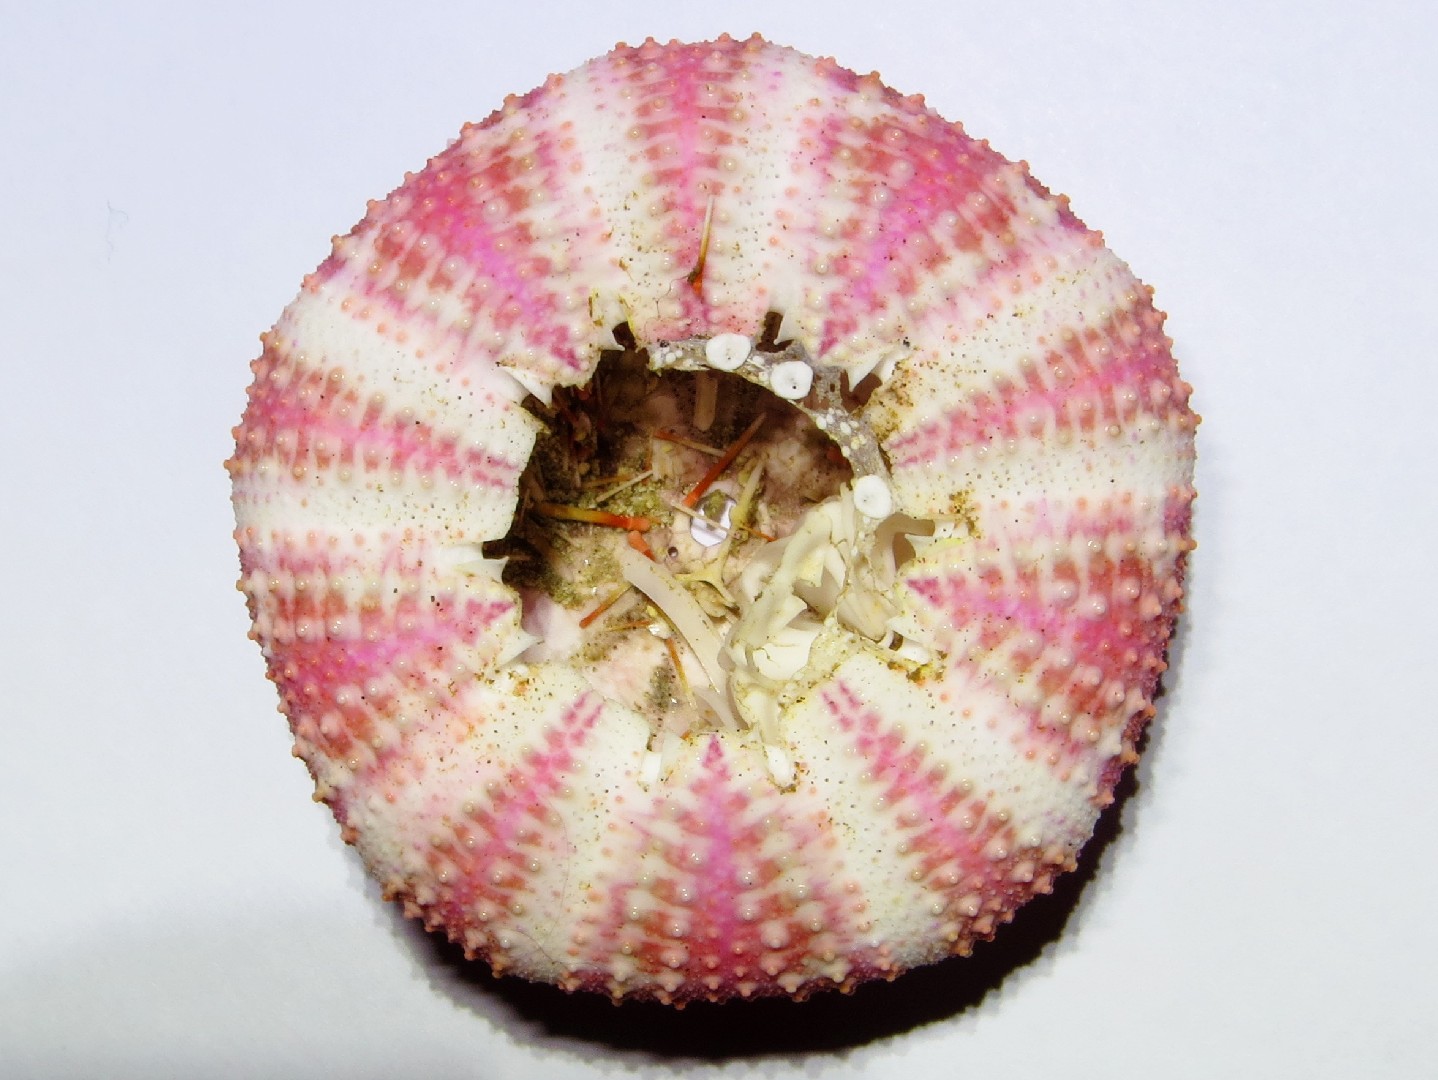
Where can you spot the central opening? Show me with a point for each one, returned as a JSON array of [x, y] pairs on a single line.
[[683, 539]]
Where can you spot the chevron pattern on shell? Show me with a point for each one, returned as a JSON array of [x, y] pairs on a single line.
[[716, 530]]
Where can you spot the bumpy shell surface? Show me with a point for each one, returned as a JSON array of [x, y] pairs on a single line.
[[1029, 403]]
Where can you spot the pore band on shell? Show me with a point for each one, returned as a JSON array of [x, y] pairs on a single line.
[[716, 529]]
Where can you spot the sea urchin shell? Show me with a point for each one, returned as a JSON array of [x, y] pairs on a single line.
[[716, 529]]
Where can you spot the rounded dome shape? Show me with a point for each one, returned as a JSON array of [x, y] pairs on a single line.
[[716, 529]]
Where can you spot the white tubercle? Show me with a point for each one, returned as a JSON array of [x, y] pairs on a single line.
[[727, 352], [872, 497], [791, 379], [781, 765]]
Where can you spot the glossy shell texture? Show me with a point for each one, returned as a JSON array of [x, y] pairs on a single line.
[[1028, 402]]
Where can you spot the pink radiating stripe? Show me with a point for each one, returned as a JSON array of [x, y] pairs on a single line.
[[684, 101], [950, 832], [465, 223], [1115, 653], [483, 861], [310, 421], [337, 687], [916, 190], [718, 894], [1128, 353]]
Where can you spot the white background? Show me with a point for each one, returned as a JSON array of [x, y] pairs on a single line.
[[171, 903]]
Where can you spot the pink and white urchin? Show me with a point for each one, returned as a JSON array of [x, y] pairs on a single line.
[[716, 530]]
